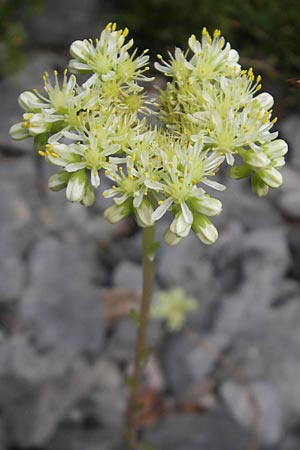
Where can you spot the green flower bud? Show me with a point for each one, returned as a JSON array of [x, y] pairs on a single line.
[[204, 229], [256, 160], [276, 149], [258, 185], [29, 102], [59, 180], [78, 50], [271, 177], [179, 226], [265, 100], [18, 132], [115, 213], [77, 186], [207, 205], [171, 238], [144, 214], [89, 196]]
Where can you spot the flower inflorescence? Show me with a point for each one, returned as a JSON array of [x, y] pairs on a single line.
[[210, 111]]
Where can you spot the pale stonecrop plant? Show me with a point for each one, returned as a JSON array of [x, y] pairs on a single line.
[[209, 113]]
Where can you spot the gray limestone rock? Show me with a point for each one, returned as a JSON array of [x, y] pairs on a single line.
[[60, 308], [17, 228], [269, 350], [290, 443], [294, 243], [241, 205], [122, 343], [213, 431], [289, 205], [266, 250], [74, 437], [128, 275], [36, 391], [69, 20], [261, 412], [12, 270], [188, 359], [106, 403]]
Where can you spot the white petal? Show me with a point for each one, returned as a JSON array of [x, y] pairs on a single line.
[[95, 179], [162, 209], [214, 184], [188, 216], [73, 167]]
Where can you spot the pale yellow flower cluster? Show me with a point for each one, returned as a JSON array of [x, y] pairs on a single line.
[[210, 111]]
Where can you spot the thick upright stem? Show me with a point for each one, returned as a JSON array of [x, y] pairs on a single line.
[[148, 276]]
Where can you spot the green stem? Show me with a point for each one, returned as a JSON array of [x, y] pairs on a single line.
[[148, 276]]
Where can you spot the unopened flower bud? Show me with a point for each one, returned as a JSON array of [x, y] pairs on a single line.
[[77, 186], [271, 177], [204, 229], [144, 214], [171, 238], [115, 213], [58, 181]]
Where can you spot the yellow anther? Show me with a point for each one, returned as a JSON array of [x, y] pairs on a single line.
[[159, 56], [131, 177], [108, 27], [146, 51], [35, 91], [275, 120], [125, 32], [114, 26], [258, 87], [258, 78], [160, 202], [41, 153], [55, 72], [217, 33]]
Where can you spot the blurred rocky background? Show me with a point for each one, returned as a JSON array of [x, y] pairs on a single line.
[[230, 380]]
